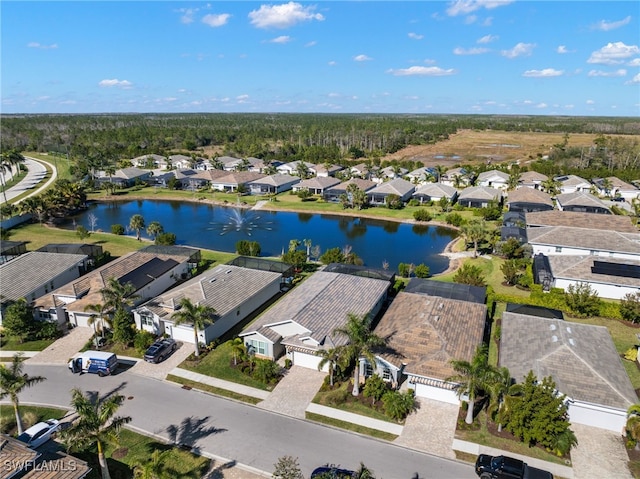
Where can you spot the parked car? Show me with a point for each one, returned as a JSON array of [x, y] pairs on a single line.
[[39, 433], [503, 467], [331, 472], [160, 350], [101, 363]]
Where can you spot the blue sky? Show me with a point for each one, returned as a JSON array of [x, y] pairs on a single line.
[[463, 56]]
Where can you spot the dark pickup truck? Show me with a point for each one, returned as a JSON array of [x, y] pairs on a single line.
[[503, 467]]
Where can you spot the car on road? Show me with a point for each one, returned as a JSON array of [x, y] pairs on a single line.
[[160, 350], [332, 472], [503, 467], [39, 433]]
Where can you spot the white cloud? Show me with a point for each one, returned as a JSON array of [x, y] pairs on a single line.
[[362, 58], [470, 19], [521, 49], [281, 39], [634, 63], [187, 15], [487, 22], [590, 102], [53, 46], [487, 39], [421, 71], [635, 80], [216, 20], [599, 73], [606, 26], [464, 7], [415, 36], [283, 16], [312, 43], [542, 105], [613, 53], [469, 51], [242, 98], [562, 49], [332, 63], [124, 84], [334, 95], [545, 73]]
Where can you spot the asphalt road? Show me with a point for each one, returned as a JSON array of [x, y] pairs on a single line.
[[235, 431], [36, 173]]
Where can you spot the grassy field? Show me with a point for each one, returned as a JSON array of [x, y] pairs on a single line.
[[385, 436]]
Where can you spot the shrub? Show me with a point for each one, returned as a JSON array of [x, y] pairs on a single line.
[[454, 219], [422, 271], [82, 232], [143, 340], [422, 215], [630, 307], [117, 229], [404, 269], [48, 330], [512, 249], [167, 239], [414, 202], [394, 202], [265, 370], [337, 397], [470, 274], [582, 299], [374, 388], [398, 405], [248, 248]]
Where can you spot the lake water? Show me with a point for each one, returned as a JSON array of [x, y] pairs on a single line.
[[220, 228]]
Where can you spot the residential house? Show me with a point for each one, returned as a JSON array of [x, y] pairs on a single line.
[[572, 183], [529, 199], [230, 182], [398, 187], [424, 334], [323, 171], [435, 192], [614, 187], [567, 241], [456, 177], [390, 173], [272, 184], [493, 179], [316, 185], [233, 292], [333, 194], [229, 163], [610, 278], [187, 178], [479, 196], [532, 179], [93, 251], [291, 168], [37, 273], [152, 162], [11, 249], [581, 359], [361, 170], [582, 201], [574, 219], [181, 162], [151, 270], [125, 177], [422, 175], [304, 321]]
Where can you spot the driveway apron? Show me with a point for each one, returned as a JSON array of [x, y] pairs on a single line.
[[64, 348], [160, 370], [294, 392], [599, 453], [431, 428]]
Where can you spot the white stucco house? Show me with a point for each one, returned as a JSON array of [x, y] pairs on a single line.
[[581, 359], [233, 292], [572, 183], [304, 320], [493, 179]]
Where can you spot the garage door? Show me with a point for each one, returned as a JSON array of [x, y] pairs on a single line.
[[306, 360], [438, 394], [591, 415]]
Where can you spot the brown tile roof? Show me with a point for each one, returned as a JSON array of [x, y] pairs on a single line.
[[16, 451], [591, 239], [364, 185], [579, 268], [581, 358], [321, 304], [622, 224], [58, 466], [580, 198], [238, 177], [427, 332], [529, 195]]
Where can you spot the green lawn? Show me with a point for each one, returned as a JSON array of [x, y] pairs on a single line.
[[385, 436], [217, 364], [213, 389], [30, 415], [12, 344]]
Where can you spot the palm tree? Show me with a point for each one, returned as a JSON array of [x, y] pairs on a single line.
[[238, 350], [13, 381], [154, 468], [331, 357], [551, 186], [199, 315], [514, 180], [361, 343], [474, 232], [96, 424], [98, 316], [308, 243], [293, 244], [440, 170], [117, 295], [501, 389], [136, 223], [154, 229], [471, 378], [363, 472]]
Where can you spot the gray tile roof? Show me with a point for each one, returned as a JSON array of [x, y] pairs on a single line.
[[28, 272], [529, 195], [592, 239], [532, 176], [487, 175], [578, 268], [571, 180], [224, 288], [364, 185], [581, 358], [278, 179], [577, 219], [427, 332], [237, 178], [397, 186], [580, 198], [321, 304], [319, 182], [436, 189], [480, 193]]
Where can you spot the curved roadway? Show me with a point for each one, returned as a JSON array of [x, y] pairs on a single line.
[[229, 430], [36, 173]]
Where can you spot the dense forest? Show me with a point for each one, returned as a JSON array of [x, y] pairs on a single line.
[[102, 140]]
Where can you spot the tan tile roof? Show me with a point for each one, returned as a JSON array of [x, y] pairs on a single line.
[[436, 189], [238, 177], [532, 176], [591, 239], [397, 186], [480, 193], [580, 198], [427, 332], [581, 358], [16, 451], [529, 195], [622, 224], [579, 268], [364, 185], [319, 182], [278, 179]]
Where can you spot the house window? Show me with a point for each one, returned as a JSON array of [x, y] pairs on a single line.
[[368, 370], [146, 320], [260, 347], [558, 249], [386, 374]]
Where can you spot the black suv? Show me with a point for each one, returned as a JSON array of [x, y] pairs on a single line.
[[331, 472], [160, 350]]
